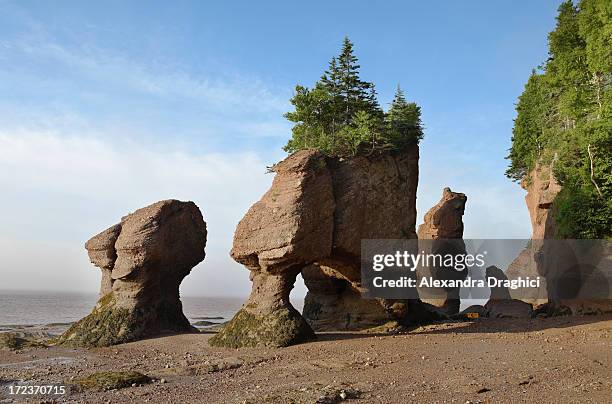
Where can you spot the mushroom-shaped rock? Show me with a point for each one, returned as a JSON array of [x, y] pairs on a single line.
[[542, 188], [291, 225], [312, 220], [143, 259], [442, 233]]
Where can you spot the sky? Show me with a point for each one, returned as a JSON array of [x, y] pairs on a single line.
[[109, 106]]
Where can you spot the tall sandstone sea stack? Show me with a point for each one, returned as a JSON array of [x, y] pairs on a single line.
[[143, 260], [312, 220], [442, 233], [541, 190]]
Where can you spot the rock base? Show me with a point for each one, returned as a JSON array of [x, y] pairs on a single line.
[[280, 328], [110, 324]]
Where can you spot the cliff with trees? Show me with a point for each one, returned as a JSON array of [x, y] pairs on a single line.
[[564, 120]]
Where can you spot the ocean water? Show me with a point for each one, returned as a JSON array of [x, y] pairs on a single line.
[[40, 308]]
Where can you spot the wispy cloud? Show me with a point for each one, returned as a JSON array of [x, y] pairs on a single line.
[[218, 90], [58, 191], [55, 82]]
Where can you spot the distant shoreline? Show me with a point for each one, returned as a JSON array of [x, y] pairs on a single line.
[[52, 312]]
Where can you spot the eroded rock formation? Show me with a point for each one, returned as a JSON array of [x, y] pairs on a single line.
[[312, 220], [334, 301], [442, 232], [143, 261], [445, 219], [102, 253], [570, 279], [541, 190]]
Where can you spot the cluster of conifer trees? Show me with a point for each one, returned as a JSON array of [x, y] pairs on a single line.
[[564, 119], [341, 116]]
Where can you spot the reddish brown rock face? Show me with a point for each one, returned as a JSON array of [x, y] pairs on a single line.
[[314, 216], [143, 261], [443, 222], [293, 221], [549, 260], [542, 188]]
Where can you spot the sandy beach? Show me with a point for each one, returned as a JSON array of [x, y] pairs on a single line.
[[562, 359]]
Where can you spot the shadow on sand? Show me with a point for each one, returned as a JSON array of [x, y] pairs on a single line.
[[483, 325]]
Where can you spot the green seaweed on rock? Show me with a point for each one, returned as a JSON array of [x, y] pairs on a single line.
[[112, 380], [280, 328]]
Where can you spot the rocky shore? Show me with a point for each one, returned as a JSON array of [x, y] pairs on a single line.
[[560, 359], [137, 345]]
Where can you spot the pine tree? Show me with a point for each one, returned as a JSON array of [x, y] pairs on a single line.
[[595, 26], [568, 74], [355, 93], [404, 121], [533, 108], [330, 82], [341, 116]]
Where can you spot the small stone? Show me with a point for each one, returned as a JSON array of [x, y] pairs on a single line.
[[343, 395], [162, 381]]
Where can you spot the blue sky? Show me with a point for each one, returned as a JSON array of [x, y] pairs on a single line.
[[109, 106]]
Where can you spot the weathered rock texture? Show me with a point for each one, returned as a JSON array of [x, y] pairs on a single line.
[[508, 308], [102, 253], [312, 220], [444, 225], [541, 190], [552, 260], [143, 261], [334, 301], [445, 219]]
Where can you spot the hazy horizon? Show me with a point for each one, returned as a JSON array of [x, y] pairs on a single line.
[[110, 107]]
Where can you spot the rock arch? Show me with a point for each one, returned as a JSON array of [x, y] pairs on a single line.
[[312, 220]]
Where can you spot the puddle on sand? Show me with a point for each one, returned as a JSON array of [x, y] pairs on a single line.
[[60, 360]]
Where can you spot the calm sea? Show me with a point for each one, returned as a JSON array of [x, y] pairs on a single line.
[[29, 308]]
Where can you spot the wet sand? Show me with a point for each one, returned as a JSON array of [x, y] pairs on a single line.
[[554, 360]]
